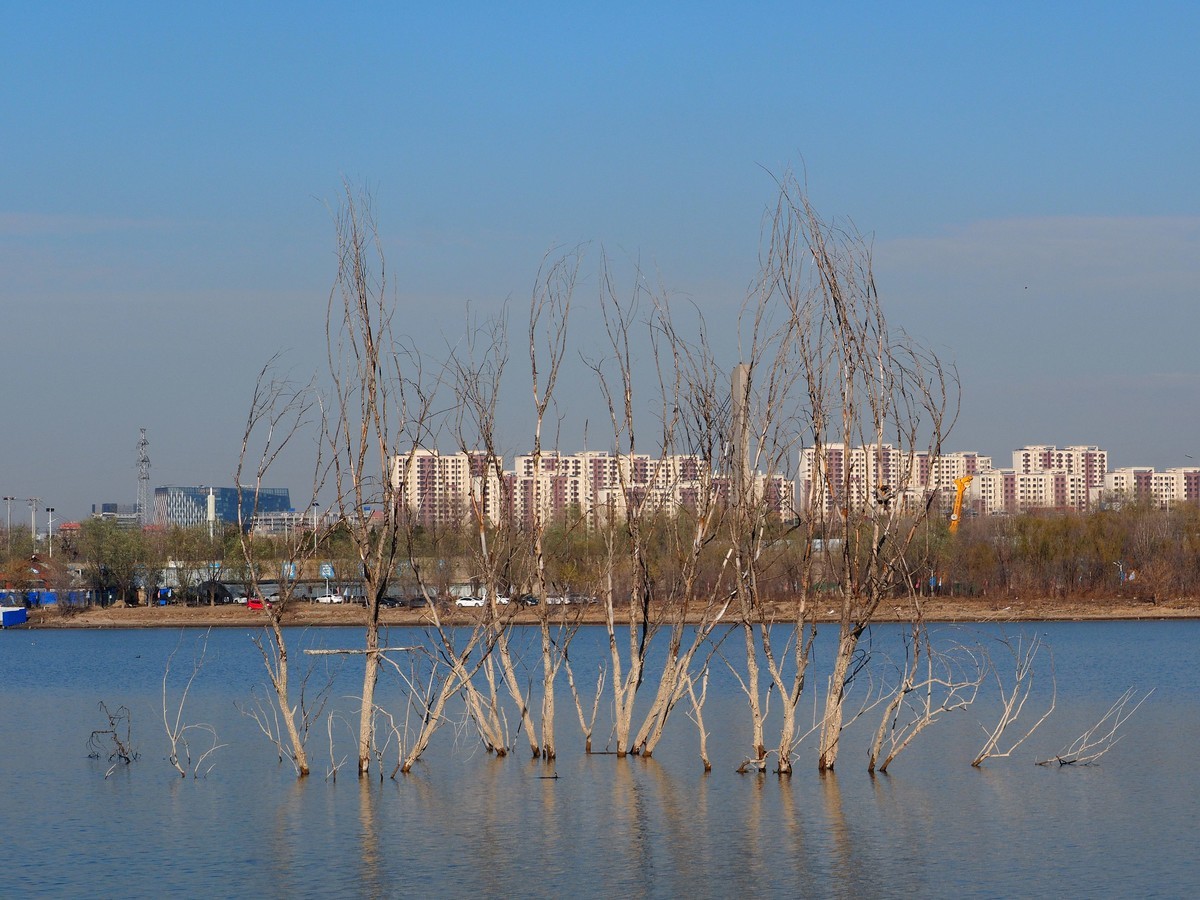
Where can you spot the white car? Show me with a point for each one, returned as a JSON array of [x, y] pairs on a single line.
[[331, 598], [469, 601]]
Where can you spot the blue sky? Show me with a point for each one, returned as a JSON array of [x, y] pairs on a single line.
[[1027, 173]]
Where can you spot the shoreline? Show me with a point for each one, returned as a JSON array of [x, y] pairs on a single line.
[[936, 609]]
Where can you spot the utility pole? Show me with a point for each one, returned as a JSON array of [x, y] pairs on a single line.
[[740, 391], [8, 526], [33, 504], [50, 529]]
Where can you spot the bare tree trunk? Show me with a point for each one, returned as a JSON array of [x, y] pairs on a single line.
[[698, 715], [378, 396], [278, 415], [549, 313], [366, 719]]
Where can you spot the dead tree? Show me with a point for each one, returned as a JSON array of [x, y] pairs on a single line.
[[477, 368], [873, 399], [623, 521], [694, 419], [438, 670], [764, 438], [179, 731], [113, 741], [657, 543], [549, 313], [280, 415], [931, 684], [1087, 749], [380, 403], [587, 724], [1015, 691], [697, 714]]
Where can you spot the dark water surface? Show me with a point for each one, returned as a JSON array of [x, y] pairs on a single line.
[[467, 824]]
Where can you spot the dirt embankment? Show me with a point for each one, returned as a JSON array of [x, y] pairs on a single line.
[[937, 609]]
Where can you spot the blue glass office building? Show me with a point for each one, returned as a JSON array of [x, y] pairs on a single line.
[[188, 506]]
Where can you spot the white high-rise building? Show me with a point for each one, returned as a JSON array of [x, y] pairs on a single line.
[[449, 489], [1011, 492], [1163, 489]]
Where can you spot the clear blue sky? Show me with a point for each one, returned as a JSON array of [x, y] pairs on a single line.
[[1028, 173]]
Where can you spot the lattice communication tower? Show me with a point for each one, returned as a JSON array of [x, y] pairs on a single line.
[[143, 495]]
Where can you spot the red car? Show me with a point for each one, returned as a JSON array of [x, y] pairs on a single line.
[[257, 603]]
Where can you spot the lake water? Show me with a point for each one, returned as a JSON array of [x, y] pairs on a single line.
[[465, 823]]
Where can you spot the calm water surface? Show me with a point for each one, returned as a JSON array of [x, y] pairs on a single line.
[[465, 823]]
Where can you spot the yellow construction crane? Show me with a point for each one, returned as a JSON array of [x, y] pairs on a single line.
[[960, 488]]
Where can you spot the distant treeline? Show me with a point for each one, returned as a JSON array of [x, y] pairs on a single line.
[[1136, 552], [1133, 552]]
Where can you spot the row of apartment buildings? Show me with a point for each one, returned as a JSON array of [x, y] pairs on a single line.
[[1041, 477], [442, 489], [447, 489]]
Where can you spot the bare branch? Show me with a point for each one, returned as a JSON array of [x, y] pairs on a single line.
[[1087, 749], [1013, 696]]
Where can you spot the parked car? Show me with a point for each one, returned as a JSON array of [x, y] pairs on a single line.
[[557, 599], [469, 601], [257, 603], [527, 600], [417, 600], [331, 598]]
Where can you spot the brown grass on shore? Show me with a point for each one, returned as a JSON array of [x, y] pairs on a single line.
[[936, 609]]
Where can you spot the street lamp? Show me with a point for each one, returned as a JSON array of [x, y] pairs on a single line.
[[314, 512], [50, 529], [33, 502]]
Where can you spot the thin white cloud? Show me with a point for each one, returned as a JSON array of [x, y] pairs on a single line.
[[1135, 255], [22, 224]]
